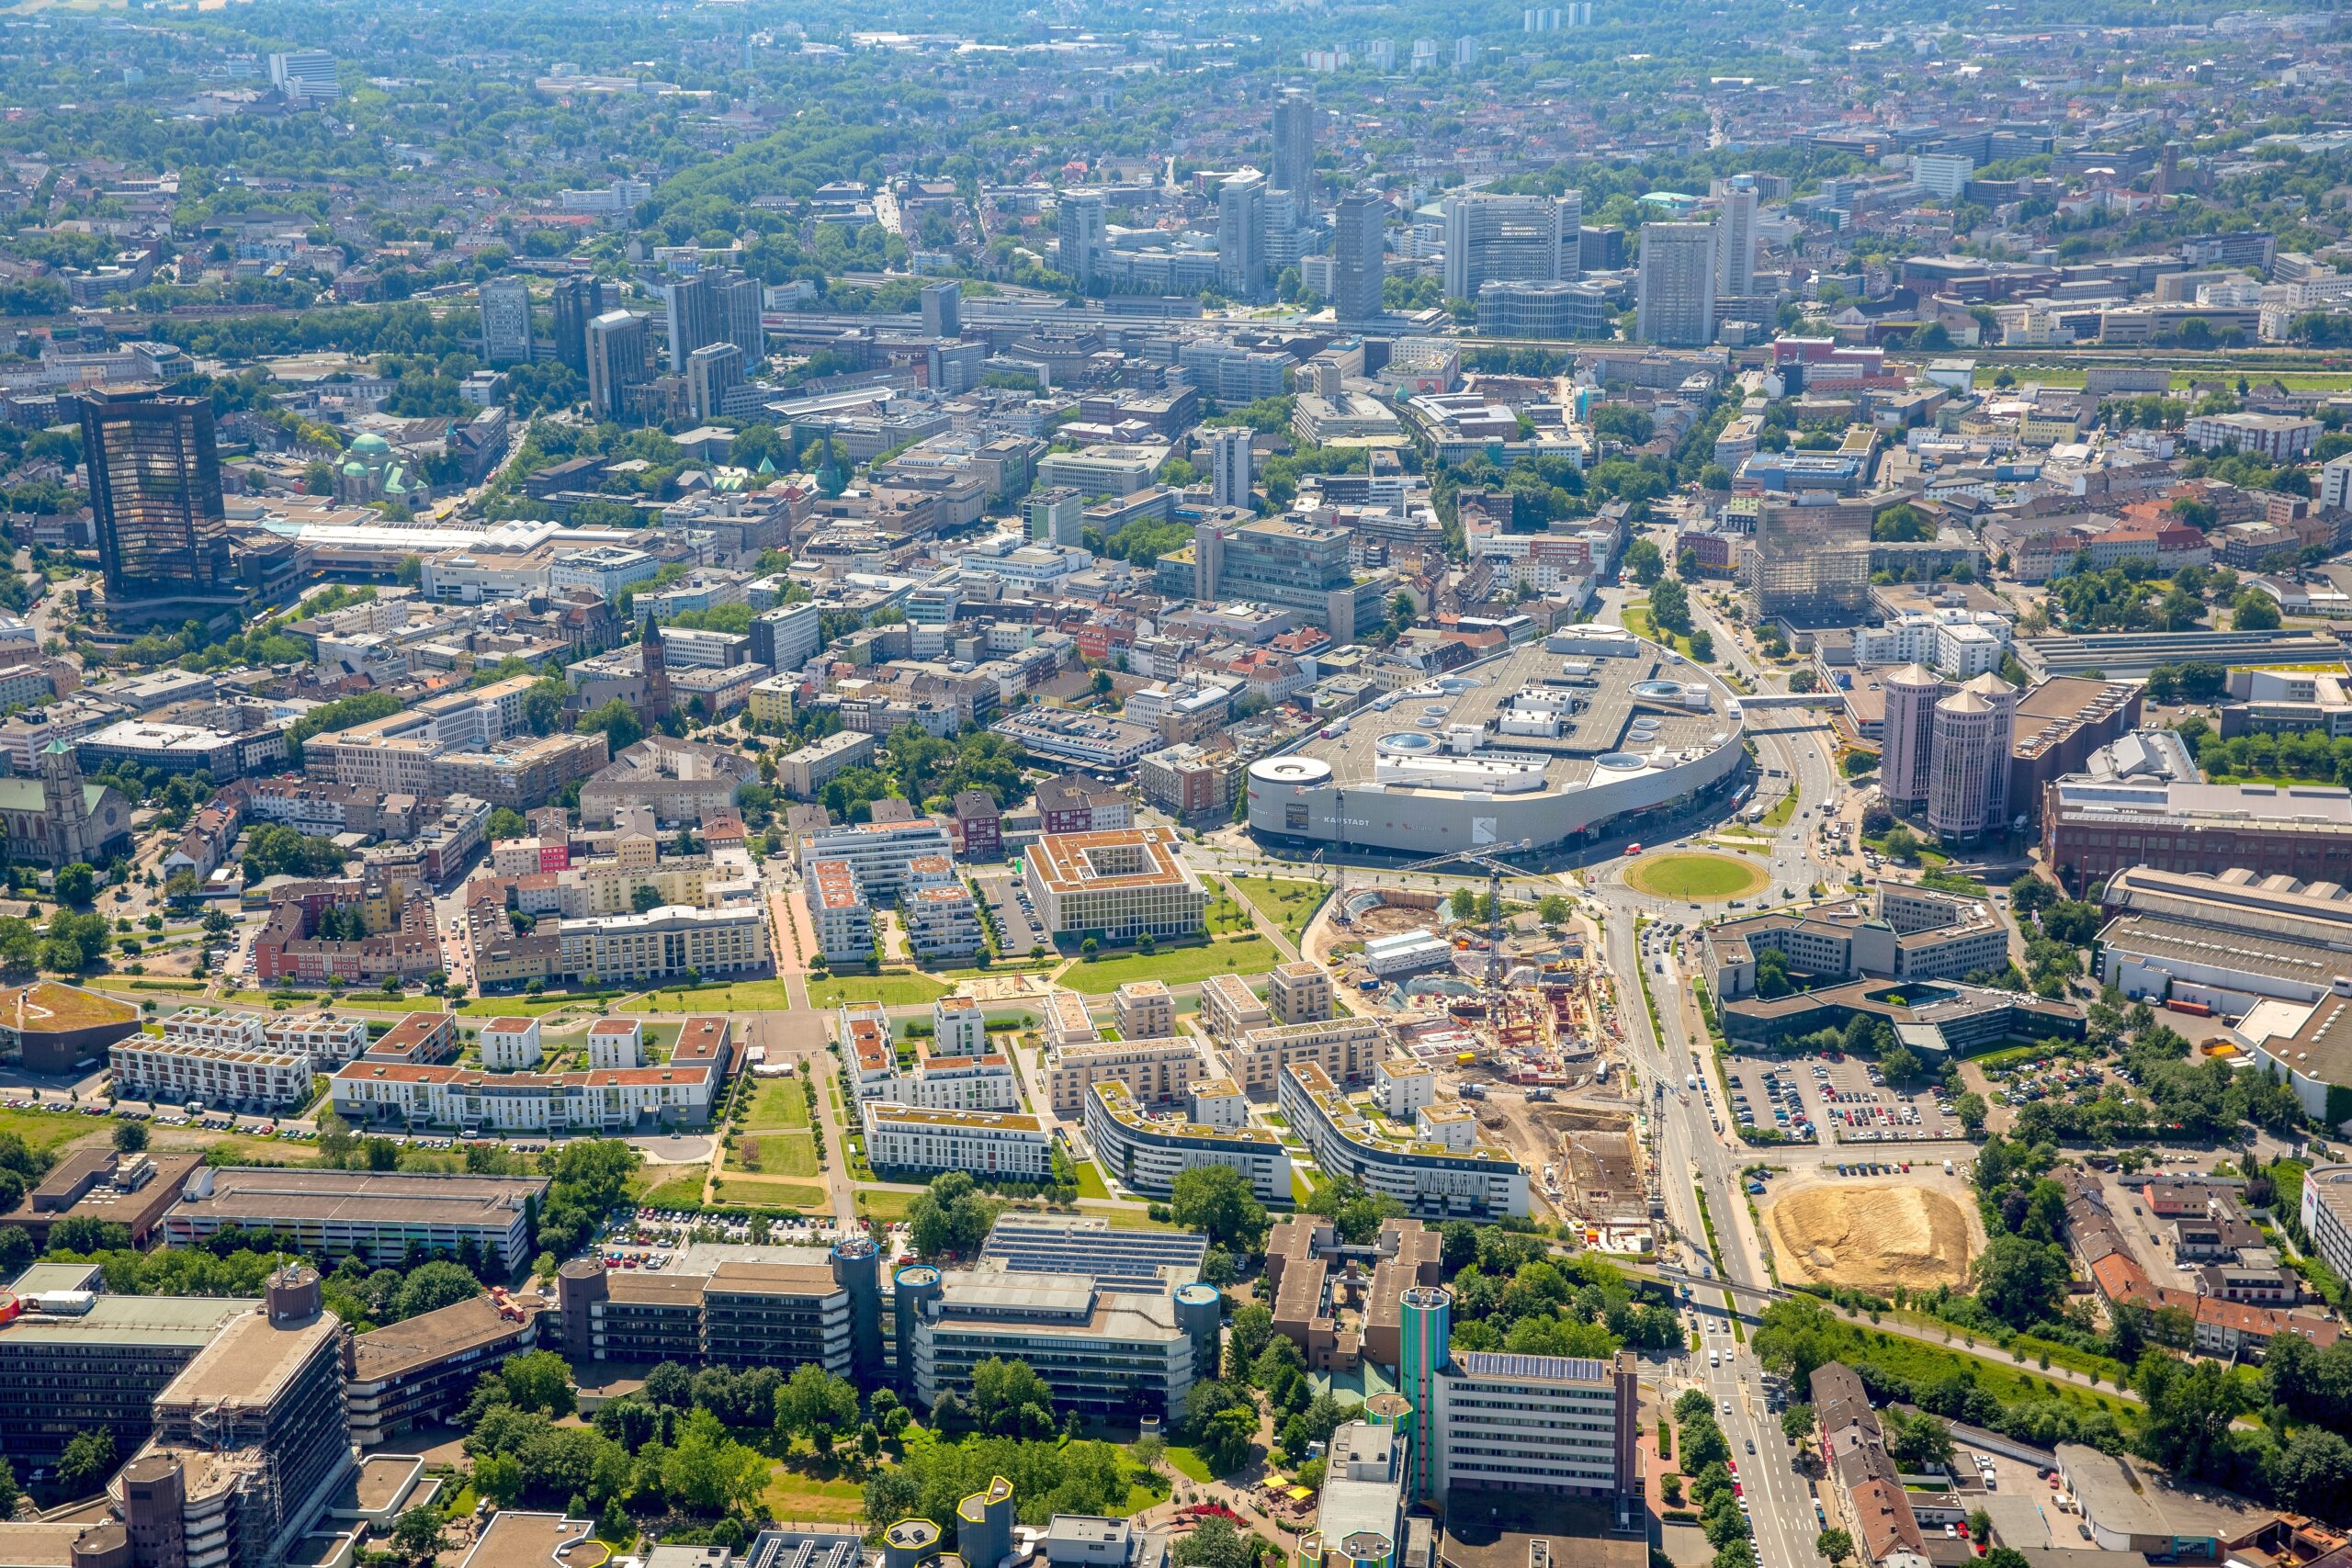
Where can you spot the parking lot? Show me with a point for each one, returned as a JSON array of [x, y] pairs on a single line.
[[1841, 1095], [1772, 1097], [652, 1239], [1017, 926]]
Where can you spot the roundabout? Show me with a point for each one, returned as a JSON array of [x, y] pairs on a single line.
[[1692, 876]]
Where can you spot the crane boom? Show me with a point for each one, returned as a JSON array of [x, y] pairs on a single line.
[[1491, 862]]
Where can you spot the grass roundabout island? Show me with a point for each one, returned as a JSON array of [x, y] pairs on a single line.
[[1694, 877]]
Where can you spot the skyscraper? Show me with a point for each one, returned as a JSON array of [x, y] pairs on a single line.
[[1510, 239], [1080, 226], [1358, 247], [1676, 291], [1229, 466], [716, 305], [577, 302], [1295, 145], [619, 356], [943, 309], [1241, 234], [1907, 736], [1968, 777], [712, 371], [506, 321], [305, 76], [1736, 238], [155, 494]]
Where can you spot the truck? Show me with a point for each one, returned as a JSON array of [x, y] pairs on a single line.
[[1694, 1083]]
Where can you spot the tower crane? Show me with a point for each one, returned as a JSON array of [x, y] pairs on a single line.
[[1495, 869]]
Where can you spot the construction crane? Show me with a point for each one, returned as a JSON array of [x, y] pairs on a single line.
[[1495, 871]]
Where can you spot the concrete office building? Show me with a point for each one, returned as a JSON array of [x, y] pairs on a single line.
[[1293, 160], [1736, 238], [1116, 886], [1558, 1423], [943, 309], [1675, 289], [619, 357], [506, 321], [1082, 231], [729, 1306], [422, 1370], [1509, 239], [714, 372], [1901, 932], [1292, 565], [1241, 235], [1229, 465], [62, 1373], [1106, 1351], [378, 1214], [1358, 257]]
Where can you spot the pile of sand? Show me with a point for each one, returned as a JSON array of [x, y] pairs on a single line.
[[1869, 1238]]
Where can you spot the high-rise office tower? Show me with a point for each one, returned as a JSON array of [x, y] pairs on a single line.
[[1057, 516], [716, 305], [1907, 736], [712, 371], [1241, 234], [1229, 465], [577, 302], [1080, 223], [155, 493], [1968, 778], [1510, 239], [506, 321], [619, 357], [305, 76], [1736, 238], [1295, 143], [1676, 291], [1359, 256], [943, 309]]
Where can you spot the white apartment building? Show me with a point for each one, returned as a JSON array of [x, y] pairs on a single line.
[[668, 940], [616, 1043], [1299, 992], [401, 1094], [942, 1082], [1534, 1423], [958, 1028], [328, 1041], [510, 1045], [175, 1072], [1959, 643], [942, 923], [877, 854], [1068, 1022], [837, 906], [1146, 1154], [1003, 1144]]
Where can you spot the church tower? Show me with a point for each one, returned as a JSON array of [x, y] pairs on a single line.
[[656, 705], [67, 804]]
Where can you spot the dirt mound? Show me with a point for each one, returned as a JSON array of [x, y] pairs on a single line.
[[1869, 1238]]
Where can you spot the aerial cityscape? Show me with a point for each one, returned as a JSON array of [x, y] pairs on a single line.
[[1175, 785]]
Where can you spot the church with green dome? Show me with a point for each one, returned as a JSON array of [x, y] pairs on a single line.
[[371, 471]]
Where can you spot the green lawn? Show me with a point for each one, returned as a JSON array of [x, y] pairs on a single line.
[[774, 1154], [743, 995], [890, 990], [798, 1497], [45, 1130], [1227, 917], [1923, 1362], [1700, 876], [1782, 810], [1188, 1463], [783, 1104], [525, 1007], [754, 1192], [1090, 1180], [1245, 955], [886, 1204], [1286, 901], [678, 1192]]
